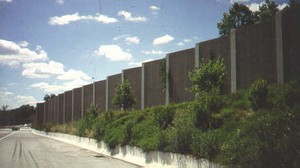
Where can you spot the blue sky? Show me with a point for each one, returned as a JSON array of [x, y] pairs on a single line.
[[51, 46]]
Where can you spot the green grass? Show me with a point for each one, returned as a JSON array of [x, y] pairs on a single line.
[[227, 129]]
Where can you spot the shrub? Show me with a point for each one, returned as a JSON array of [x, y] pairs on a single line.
[[206, 144], [209, 77], [180, 133], [99, 128], [163, 115], [113, 137], [146, 135], [81, 127], [257, 94], [281, 96]]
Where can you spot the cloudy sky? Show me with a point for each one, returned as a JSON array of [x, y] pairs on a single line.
[[51, 46]]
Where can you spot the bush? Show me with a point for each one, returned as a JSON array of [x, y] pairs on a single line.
[[99, 128], [180, 133], [281, 96], [257, 94], [81, 127], [206, 144], [146, 135], [209, 77], [163, 115], [113, 137]]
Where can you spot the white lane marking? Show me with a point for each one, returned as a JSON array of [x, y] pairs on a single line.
[[8, 135]]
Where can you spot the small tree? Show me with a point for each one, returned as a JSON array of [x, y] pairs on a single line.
[[294, 3], [209, 77], [267, 10], [47, 97], [238, 15], [123, 96]]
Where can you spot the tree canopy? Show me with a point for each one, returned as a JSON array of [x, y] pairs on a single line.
[[240, 15], [267, 10]]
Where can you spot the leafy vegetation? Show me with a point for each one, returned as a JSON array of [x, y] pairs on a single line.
[[17, 116], [209, 77], [232, 130], [123, 96], [240, 15]]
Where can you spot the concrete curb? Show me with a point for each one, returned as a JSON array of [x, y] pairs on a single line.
[[131, 154]]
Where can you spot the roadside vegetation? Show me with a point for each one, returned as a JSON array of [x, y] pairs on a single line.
[[257, 127], [237, 130]]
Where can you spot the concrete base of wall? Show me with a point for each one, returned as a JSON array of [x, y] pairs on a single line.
[[131, 154]]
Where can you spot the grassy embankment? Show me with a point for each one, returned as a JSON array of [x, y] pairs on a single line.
[[258, 127]]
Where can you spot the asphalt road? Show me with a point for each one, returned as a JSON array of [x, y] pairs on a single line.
[[23, 149]]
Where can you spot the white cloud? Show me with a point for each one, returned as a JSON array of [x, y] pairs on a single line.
[[120, 37], [162, 40], [60, 1], [154, 8], [282, 6], [4, 94], [13, 54], [128, 16], [72, 74], [254, 7], [42, 70], [137, 64], [238, 1], [187, 40], [153, 52], [104, 19], [128, 39], [47, 87], [6, 1], [70, 78], [23, 43], [113, 52], [67, 19], [25, 100], [14, 101], [132, 40], [57, 88], [182, 43]]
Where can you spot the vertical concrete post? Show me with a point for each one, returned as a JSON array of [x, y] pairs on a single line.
[[82, 101], [279, 47], [50, 111], [44, 112], [73, 106], [197, 55], [106, 94], [143, 87], [57, 110], [64, 109], [233, 60], [167, 79], [94, 94], [122, 77]]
